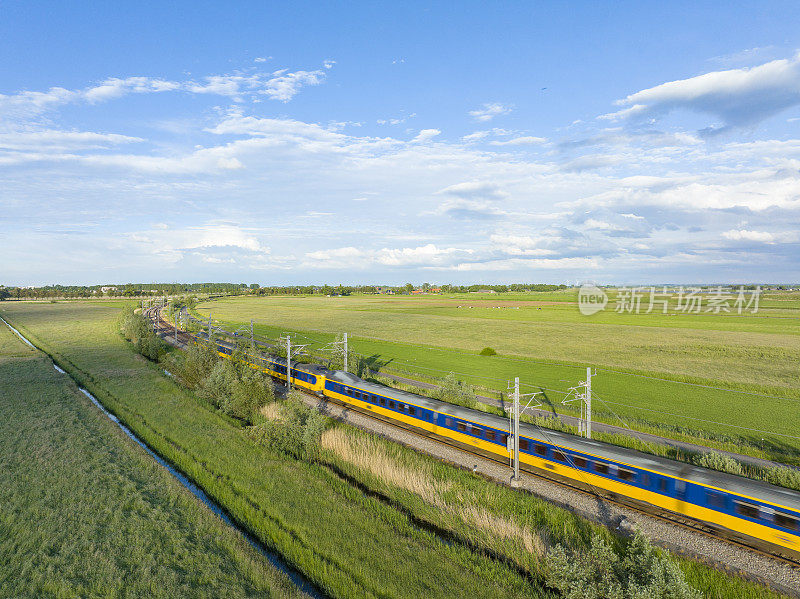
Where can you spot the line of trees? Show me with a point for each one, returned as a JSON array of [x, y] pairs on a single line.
[[127, 290], [172, 289]]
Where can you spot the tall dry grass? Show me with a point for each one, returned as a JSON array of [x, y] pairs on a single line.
[[370, 455]]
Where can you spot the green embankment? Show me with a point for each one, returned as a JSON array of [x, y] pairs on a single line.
[[347, 543], [85, 512]]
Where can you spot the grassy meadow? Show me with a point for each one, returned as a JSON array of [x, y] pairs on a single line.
[[743, 382], [369, 518], [349, 544], [85, 512]]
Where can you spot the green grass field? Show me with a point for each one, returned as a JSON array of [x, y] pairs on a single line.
[[85, 512], [543, 339], [348, 544]]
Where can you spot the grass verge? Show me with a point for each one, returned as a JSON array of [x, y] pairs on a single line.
[[84, 512]]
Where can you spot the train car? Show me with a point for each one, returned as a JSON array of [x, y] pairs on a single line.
[[751, 511]]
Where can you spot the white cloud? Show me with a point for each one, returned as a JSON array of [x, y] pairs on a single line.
[[281, 85], [476, 136], [590, 162], [520, 245], [425, 255], [529, 264], [520, 141], [740, 97], [286, 86], [25, 105], [116, 88], [489, 111], [467, 209], [746, 235], [699, 205], [53, 140], [474, 189], [346, 253], [426, 135]]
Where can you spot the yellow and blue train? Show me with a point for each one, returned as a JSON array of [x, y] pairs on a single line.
[[750, 511]]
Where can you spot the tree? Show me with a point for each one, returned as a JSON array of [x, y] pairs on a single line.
[[409, 287], [4, 294]]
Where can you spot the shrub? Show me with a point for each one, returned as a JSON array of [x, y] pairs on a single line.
[[487, 351], [454, 391], [722, 463], [136, 328], [297, 433], [219, 384], [599, 573], [251, 391], [194, 365]]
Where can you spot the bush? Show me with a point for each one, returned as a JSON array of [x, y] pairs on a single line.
[[219, 384], [194, 365], [250, 391], [642, 572], [487, 351], [454, 391], [296, 433], [239, 392], [722, 463], [136, 328]]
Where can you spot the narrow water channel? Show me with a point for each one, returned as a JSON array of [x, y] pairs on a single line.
[[296, 577]]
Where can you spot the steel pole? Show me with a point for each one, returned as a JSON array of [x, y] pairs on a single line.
[[516, 428], [288, 363], [589, 403]]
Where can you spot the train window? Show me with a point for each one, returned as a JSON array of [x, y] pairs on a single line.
[[600, 467], [540, 449], [523, 444], [382, 400], [715, 500], [462, 427], [747, 510], [557, 455], [579, 462], [391, 404], [503, 438], [663, 485], [412, 410], [626, 475], [786, 521], [490, 435]]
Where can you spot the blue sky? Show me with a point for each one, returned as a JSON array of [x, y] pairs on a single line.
[[389, 142]]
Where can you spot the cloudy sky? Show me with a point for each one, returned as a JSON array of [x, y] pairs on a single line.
[[636, 142]]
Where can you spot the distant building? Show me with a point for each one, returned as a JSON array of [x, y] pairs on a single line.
[[107, 289]]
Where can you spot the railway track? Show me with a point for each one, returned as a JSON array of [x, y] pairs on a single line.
[[166, 330]]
